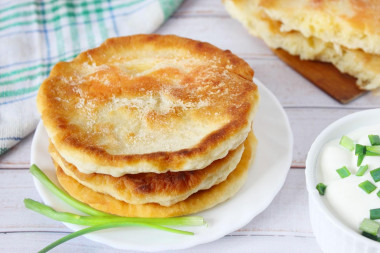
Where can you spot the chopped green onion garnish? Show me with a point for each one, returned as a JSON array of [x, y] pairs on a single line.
[[362, 170], [360, 149], [370, 226], [360, 160], [347, 143], [343, 172], [373, 149], [374, 139], [374, 214], [376, 174], [372, 237], [369, 153], [367, 186], [378, 194], [321, 188]]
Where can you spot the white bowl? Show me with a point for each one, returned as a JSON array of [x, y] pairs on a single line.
[[331, 233]]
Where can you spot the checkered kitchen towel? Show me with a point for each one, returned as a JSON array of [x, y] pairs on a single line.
[[34, 35]]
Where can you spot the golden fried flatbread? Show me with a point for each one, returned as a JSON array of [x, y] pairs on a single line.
[[165, 188], [148, 103], [354, 24], [195, 203], [259, 18]]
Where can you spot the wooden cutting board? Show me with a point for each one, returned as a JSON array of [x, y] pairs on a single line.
[[325, 76]]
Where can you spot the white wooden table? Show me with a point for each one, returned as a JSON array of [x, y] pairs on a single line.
[[283, 227]]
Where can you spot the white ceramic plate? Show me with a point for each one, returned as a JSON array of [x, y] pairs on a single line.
[[265, 179]]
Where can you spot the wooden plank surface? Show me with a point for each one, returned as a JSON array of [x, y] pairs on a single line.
[[230, 243], [283, 227]]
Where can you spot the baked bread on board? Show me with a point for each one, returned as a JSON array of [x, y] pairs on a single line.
[[343, 33]]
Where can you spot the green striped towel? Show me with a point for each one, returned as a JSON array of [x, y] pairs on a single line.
[[34, 35]]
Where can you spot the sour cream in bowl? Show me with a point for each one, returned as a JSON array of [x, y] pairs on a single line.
[[337, 215]]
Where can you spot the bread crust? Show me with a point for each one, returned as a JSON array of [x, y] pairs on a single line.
[[148, 103], [195, 203], [262, 19], [353, 24], [164, 188]]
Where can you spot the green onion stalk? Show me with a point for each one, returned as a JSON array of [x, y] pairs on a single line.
[[98, 220], [107, 226]]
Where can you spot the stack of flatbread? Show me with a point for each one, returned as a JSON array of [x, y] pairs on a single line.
[[345, 33], [151, 125]]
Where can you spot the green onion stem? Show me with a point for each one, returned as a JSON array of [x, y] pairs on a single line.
[[360, 159], [110, 225], [321, 187], [369, 153], [370, 226], [360, 149], [347, 143], [375, 174], [368, 235], [96, 220], [373, 149], [367, 186], [362, 170], [374, 139], [374, 214], [343, 172], [63, 195], [99, 220]]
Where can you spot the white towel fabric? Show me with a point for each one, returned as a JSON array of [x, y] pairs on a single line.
[[35, 35]]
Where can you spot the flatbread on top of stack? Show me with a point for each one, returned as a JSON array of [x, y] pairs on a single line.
[[151, 125], [148, 103]]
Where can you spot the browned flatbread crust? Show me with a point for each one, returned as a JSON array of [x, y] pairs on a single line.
[[345, 33], [164, 188], [354, 24], [195, 203], [148, 103]]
